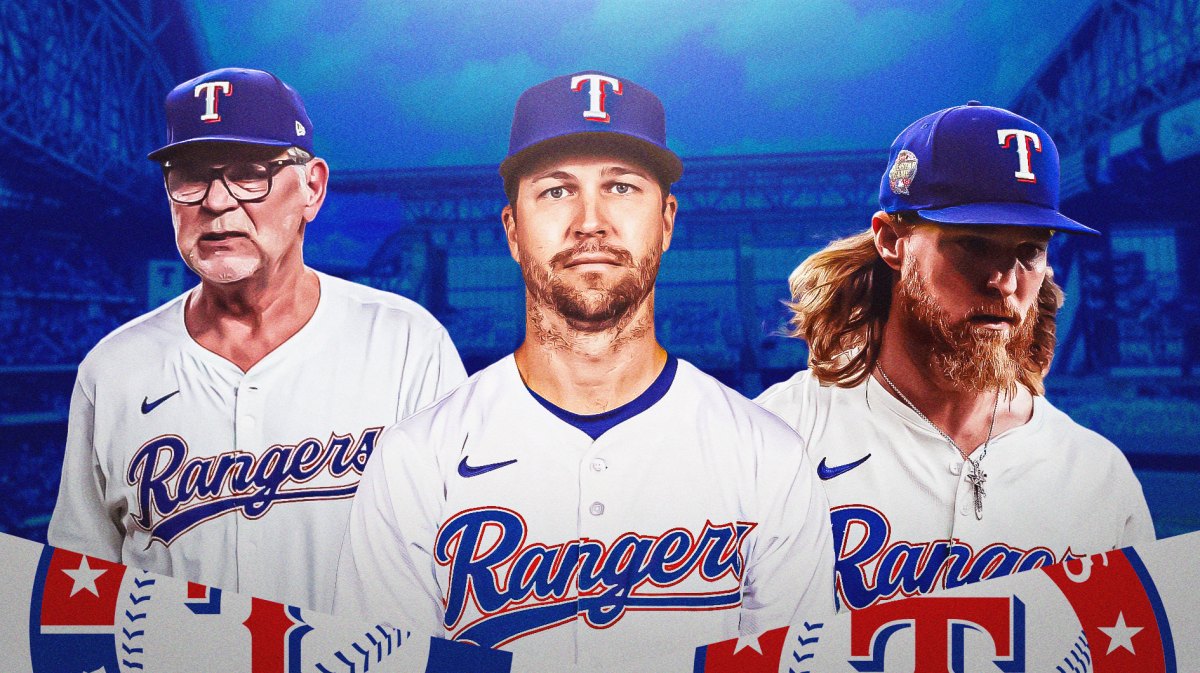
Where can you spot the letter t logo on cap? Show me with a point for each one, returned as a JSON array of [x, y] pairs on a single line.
[[210, 104], [1024, 140], [596, 111]]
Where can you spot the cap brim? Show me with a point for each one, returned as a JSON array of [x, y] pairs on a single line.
[[1006, 214], [663, 162], [166, 150]]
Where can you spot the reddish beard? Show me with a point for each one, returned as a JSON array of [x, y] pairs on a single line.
[[971, 357]]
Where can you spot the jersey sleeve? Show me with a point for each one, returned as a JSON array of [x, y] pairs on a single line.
[[432, 374], [1128, 515], [789, 572], [1138, 526], [82, 520], [386, 569], [796, 401]]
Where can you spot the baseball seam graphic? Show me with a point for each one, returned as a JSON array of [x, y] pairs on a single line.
[[805, 643], [370, 652], [1081, 655], [129, 652]]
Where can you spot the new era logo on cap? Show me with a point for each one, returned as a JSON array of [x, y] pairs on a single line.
[[237, 105], [565, 108], [979, 165]]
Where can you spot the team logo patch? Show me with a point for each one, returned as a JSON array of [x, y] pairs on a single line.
[[904, 170]]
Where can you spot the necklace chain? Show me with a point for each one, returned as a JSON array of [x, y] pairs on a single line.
[[976, 476]]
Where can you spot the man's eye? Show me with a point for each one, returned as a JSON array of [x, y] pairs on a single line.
[[246, 172], [1030, 253], [186, 173], [555, 192], [975, 246], [622, 188]]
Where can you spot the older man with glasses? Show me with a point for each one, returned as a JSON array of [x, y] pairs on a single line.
[[220, 437]]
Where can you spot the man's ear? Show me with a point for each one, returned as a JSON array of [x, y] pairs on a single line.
[[670, 207], [889, 239], [317, 181], [509, 219]]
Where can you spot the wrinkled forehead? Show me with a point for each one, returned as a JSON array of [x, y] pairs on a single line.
[[224, 153]]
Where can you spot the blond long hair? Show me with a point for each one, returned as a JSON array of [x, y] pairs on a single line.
[[841, 297]]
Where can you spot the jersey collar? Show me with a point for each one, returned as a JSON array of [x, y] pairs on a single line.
[[594, 425]]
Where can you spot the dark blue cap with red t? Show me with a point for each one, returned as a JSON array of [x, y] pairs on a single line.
[[590, 109], [978, 165], [235, 105]]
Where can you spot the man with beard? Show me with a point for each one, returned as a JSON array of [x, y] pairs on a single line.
[[589, 497], [929, 336]]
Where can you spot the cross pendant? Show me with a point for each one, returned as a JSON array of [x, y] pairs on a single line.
[[977, 477]]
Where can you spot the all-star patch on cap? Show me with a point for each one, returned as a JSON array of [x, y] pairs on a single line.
[[590, 109], [979, 165], [235, 105]]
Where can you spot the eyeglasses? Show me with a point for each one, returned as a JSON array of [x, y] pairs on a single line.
[[247, 181]]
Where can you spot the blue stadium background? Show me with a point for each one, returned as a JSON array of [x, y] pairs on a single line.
[[85, 240]]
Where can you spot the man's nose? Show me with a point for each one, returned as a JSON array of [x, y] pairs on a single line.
[[218, 199], [1003, 277], [591, 220]]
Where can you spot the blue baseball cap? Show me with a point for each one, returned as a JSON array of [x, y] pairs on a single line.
[[590, 109], [979, 165], [235, 105]]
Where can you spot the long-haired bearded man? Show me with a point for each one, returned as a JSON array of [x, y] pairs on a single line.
[[929, 336]]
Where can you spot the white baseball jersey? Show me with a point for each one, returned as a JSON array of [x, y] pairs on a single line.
[[179, 463], [903, 511], [685, 517]]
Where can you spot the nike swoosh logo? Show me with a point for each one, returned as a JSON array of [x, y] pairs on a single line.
[[825, 472], [148, 406], [467, 471]]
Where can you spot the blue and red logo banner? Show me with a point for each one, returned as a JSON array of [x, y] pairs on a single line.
[[1132, 609]]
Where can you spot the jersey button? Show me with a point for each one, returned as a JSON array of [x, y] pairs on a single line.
[[955, 468], [964, 509], [596, 509], [598, 465]]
